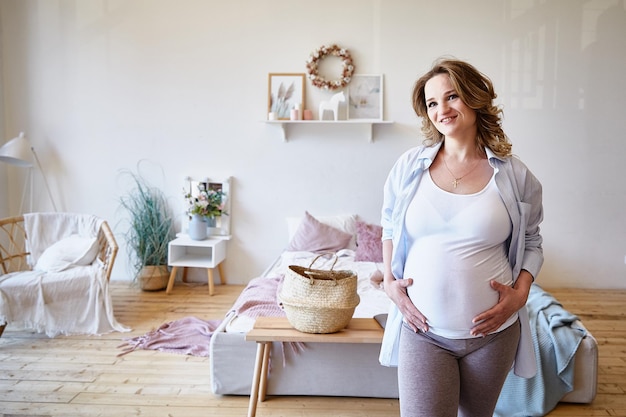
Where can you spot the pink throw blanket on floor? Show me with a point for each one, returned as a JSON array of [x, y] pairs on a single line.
[[187, 336], [191, 335]]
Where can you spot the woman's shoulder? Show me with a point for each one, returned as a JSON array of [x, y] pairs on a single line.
[[519, 167], [413, 151], [513, 162], [411, 160], [417, 153], [518, 170]]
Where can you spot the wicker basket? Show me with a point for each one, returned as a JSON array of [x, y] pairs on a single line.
[[153, 277], [319, 301]]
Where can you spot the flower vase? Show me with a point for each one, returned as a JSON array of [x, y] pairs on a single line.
[[197, 227]]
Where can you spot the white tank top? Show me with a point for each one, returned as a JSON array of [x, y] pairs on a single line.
[[457, 244]]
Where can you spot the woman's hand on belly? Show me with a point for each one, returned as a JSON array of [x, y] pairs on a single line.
[[397, 291], [510, 300]]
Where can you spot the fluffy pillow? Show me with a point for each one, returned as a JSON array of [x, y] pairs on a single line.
[[315, 236], [369, 246], [344, 222], [72, 250]]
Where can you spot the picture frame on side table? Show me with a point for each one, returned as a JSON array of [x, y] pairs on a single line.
[[365, 97], [285, 91]]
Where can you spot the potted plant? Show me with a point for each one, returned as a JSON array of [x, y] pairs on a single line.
[[151, 229]]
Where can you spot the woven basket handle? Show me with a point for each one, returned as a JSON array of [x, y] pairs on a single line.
[[311, 274], [334, 255]]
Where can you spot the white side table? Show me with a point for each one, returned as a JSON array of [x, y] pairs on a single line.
[[185, 252]]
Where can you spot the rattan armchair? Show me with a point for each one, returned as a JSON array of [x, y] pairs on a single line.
[[14, 254]]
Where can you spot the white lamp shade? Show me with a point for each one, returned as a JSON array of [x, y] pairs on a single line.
[[17, 151]]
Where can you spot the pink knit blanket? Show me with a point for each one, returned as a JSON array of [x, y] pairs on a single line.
[[187, 336], [260, 298], [191, 335]]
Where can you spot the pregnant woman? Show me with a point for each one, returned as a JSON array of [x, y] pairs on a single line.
[[461, 248]]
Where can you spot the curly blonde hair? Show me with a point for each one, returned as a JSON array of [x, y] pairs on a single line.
[[475, 90]]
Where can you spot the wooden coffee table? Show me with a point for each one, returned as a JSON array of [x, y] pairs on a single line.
[[277, 329]]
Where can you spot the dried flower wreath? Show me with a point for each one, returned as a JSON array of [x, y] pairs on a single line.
[[322, 52]]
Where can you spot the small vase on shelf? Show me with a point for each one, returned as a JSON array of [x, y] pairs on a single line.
[[197, 227]]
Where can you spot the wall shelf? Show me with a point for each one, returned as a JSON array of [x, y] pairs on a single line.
[[367, 125]]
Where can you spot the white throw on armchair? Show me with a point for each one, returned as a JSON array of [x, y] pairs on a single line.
[[55, 270]]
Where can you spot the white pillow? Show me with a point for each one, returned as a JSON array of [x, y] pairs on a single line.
[[344, 222], [72, 250]]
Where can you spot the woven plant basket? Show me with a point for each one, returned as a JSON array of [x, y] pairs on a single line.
[[319, 301], [153, 278]]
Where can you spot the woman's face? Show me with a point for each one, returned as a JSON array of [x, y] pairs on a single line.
[[450, 115]]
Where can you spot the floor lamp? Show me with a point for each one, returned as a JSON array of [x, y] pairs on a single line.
[[18, 151]]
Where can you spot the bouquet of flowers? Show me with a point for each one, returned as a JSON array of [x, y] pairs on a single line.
[[206, 203]]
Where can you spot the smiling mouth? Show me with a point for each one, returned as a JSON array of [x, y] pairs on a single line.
[[446, 119]]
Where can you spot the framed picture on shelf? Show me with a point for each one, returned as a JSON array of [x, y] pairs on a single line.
[[284, 92], [365, 97]]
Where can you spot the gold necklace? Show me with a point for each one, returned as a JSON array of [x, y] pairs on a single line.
[[456, 181]]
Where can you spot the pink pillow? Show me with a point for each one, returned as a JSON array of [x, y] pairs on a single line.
[[369, 246], [315, 236]]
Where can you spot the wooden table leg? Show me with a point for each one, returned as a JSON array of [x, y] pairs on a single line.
[[264, 371], [170, 283], [222, 276], [211, 283], [258, 377]]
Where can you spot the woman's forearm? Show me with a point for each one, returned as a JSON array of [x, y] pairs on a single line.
[[387, 252]]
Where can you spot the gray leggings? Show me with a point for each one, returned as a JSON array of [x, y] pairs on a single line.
[[441, 377]]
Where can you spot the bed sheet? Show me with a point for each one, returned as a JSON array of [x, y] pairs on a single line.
[[373, 300]]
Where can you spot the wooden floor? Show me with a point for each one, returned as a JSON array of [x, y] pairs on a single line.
[[83, 376]]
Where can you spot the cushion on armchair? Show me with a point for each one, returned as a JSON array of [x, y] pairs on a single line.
[[73, 250]]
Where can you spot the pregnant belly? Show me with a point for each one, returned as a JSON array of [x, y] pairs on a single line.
[[451, 282], [451, 305]]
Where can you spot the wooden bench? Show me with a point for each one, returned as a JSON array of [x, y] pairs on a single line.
[[277, 329]]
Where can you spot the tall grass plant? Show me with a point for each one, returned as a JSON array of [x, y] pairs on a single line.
[[151, 224]]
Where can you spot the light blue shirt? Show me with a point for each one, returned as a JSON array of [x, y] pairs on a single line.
[[521, 193]]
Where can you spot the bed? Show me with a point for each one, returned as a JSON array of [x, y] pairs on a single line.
[[332, 369]]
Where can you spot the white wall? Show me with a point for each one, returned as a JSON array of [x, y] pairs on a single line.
[[99, 85]]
